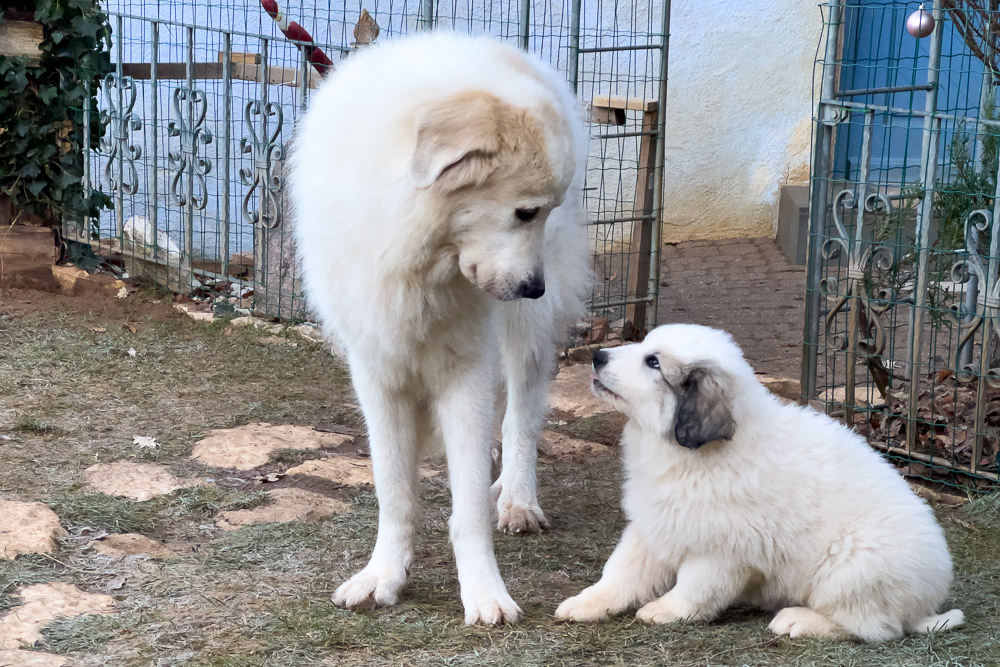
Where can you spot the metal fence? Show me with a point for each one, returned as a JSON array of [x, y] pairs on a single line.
[[203, 97], [903, 299]]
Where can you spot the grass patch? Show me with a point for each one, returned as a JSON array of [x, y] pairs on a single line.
[[83, 634], [985, 508], [278, 547], [103, 512], [289, 457], [206, 500], [25, 570], [27, 424]]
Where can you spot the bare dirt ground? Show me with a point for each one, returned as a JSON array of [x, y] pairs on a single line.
[[179, 493]]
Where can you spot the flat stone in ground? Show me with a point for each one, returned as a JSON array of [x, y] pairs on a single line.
[[286, 505], [558, 445], [15, 658], [249, 446], [121, 545], [570, 392], [27, 528], [132, 480], [43, 603], [347, 470]]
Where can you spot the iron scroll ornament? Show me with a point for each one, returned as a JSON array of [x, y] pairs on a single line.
[[120, 120], [862, 258], [987, 307], [263, 144], [189, 107]]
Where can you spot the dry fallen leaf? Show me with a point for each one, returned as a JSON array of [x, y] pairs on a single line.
[[129, 328], [145, 442], [99, 329]]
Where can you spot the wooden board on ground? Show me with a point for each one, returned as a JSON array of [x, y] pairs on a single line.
[[26, 255]]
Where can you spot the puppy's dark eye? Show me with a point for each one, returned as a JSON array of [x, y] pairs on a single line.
[[652, 361], [526, 214]]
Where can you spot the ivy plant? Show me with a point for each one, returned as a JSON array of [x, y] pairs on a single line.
[[42, 106]]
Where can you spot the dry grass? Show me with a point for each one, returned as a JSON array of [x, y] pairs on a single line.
[[260, 595]]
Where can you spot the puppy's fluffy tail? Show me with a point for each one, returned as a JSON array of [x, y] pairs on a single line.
[[939, 622]]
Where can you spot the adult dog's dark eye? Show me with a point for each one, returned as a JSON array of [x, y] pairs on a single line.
[[526, 214], [652, 361]]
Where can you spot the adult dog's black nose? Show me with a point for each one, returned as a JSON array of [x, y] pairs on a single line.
[[600, 359], [534, 288]]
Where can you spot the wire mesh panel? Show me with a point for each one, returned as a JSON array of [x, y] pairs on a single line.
[[904, 290], [198, 114]]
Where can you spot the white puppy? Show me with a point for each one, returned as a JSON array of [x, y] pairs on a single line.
[[437, 184], [732, 496]]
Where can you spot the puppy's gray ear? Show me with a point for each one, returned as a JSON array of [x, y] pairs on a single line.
[[704, 413], [457, 141]]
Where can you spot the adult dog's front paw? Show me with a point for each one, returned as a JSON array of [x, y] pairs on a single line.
[[518, 516], [373, 586], [587, 607], [658, 612], [519, 519], [489, 605]]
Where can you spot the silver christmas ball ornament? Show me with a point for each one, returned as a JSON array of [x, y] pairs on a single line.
[[920, 23]]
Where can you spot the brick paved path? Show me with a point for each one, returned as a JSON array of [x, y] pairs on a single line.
[[744, 286]]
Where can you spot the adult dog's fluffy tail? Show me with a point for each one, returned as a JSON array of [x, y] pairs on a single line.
[[939, 622]]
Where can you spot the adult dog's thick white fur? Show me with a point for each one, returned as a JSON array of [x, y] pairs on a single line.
[[436, 181], [734, 496]]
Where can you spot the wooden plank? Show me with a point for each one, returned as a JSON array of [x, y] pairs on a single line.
[[280, 76], [21, 39], [173, 71], [621, 102], [606, 115], [641, 241], [241, 58]]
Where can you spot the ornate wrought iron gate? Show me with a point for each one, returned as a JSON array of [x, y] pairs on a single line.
[[203, 96], [903, 299]]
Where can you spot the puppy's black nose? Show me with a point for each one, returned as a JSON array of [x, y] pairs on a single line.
[[534, 288], [600, 359]]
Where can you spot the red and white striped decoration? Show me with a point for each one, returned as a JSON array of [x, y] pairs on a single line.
[[292, 30]]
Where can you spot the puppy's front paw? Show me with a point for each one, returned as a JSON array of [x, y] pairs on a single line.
[[371, 587], [587, 607], [658, 612], [489, 605], [804, 622]]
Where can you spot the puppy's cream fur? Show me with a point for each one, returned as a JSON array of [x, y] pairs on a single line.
[[732, 496], [436, 180]]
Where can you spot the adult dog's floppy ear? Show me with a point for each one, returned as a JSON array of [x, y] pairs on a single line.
[[703, 410], [457, 141]]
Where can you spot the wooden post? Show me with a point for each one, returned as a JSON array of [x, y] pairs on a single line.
[[611, 111], [641, 240]]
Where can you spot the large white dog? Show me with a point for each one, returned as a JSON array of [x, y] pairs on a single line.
[[732, 496], [436, 182]]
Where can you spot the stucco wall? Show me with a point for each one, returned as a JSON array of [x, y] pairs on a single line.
[[738, 113]]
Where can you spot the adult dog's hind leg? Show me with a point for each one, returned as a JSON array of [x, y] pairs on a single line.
[[528, 366], [392, 433]]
